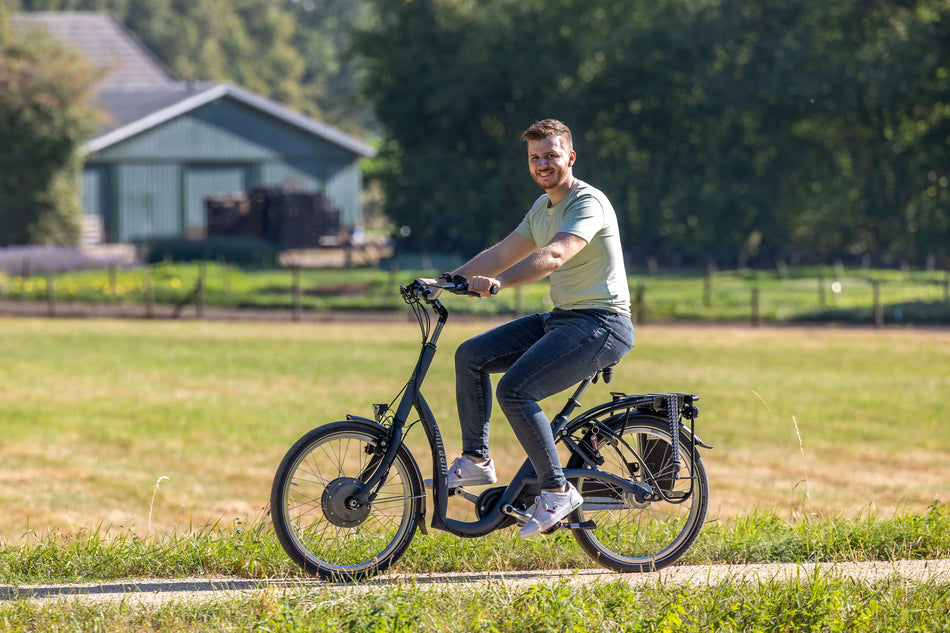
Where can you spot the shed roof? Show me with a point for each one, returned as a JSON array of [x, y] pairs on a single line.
[[138, 92], [137, 112]]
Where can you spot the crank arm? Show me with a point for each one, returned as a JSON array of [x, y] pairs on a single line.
[[465, 494], [520, 517]]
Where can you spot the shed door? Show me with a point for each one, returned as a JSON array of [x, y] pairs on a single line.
[[96, 192], [206, 180]]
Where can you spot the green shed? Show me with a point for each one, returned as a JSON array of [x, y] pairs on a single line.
[[171, 144]]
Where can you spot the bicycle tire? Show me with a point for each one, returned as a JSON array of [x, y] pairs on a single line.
[[312, 521], [644, 536]]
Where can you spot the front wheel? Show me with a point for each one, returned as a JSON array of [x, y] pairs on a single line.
[[641, 535], [311, 502]]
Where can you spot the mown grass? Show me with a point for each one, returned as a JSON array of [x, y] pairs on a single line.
[[807, 422], [253, 552], [802, 294], [823, 602], [831, 445]]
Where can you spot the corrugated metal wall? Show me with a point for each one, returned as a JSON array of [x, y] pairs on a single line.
[[148, 200], [163, 174], [343, 188]]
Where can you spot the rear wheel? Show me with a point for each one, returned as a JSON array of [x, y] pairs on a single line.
[[644, 535], [313, 512]]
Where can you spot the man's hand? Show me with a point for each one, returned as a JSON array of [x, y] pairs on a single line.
[[483, 285]]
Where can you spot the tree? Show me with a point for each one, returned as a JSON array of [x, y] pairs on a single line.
[[45, 114], [331, 78], [452, 93], [890, 119], [723, 130]]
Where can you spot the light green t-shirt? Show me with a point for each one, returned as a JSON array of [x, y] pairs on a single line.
[[595, 277]]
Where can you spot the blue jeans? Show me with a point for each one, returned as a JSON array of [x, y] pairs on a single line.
[[540, 355]]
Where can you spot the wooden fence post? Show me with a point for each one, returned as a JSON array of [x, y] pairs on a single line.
[[878, 308], [200, 290], [297, 300], [50, 294], [639, 305], [756, 314], [149, 295], [113, 281], [707, 286]]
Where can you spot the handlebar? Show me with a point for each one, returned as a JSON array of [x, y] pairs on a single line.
[[458, 285]]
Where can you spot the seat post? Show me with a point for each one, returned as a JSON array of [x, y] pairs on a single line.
[[572, 403]]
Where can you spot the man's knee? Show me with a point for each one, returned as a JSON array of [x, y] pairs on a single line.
[[465, 354], [509, 393]]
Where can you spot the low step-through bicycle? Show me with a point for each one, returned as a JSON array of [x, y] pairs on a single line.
[[348, 496]]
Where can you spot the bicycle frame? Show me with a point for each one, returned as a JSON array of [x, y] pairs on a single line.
[[504, 510]]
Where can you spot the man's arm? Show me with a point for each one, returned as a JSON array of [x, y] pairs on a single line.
[[534, 266], [498, 258]]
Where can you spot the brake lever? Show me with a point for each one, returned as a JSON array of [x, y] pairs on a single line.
[[456, 288]]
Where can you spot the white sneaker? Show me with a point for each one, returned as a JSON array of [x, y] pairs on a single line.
[[549, 509], [464, 472]]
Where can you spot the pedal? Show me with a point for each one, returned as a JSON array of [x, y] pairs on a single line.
[[583, 525]]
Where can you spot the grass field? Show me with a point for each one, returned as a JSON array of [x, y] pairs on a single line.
[[147, 448], [150, 427]]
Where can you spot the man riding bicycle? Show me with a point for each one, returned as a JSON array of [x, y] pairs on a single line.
[[570, 234]]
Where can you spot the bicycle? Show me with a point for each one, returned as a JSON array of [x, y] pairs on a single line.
[[348, 496]]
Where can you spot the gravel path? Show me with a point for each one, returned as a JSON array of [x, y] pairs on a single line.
[[162, 590]]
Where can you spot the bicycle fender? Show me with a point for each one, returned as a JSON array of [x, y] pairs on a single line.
[[684, 430], [358, 418], [695, 437]]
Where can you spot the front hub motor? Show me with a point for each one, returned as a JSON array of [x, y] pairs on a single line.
[[339, 502]]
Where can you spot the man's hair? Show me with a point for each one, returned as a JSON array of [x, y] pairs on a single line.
[[548, 128]]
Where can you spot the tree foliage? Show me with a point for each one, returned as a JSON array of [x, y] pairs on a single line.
[[768, 130], [331, 78], [44, 116], [720, 130]]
